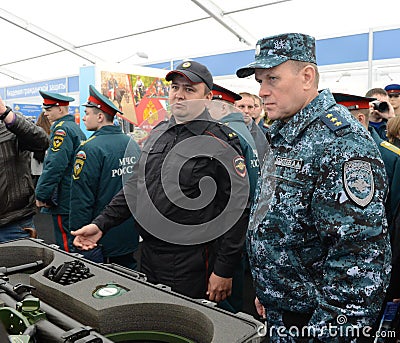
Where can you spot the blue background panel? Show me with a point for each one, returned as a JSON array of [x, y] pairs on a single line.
[[346, 49], [337, 50], [87, 76], [386, 44], [73, 84]]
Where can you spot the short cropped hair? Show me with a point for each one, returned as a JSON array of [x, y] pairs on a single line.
[[373, 91]]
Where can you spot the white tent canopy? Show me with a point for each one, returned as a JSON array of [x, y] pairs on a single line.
[[46, 39]]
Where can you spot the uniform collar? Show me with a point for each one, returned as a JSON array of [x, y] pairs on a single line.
[[67, 117], [197, 125], [237, 117], [375, 136], [105, 130], [301, 120]]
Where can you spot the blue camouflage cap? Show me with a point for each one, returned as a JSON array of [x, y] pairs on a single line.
[[274, 50]]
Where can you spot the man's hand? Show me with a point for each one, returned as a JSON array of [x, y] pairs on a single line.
[[219, 288], [384, 115], [41, 204], [86, 238], [260, 308], [2, 106]]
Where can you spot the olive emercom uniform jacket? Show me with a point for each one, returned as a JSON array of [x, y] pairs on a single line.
[[54, 184], [17, 200], [391, 159], [101, 165], [320, 246]]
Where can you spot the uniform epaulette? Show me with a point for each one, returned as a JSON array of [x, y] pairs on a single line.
[[334, 121], [60, 123], [228, 131], [390, 147], [88, 140]]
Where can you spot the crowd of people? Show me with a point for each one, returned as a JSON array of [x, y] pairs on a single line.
[[296, 184]]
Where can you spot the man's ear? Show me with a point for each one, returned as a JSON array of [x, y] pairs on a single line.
[[308, 76], [361, 118], [100, 117], [209, 95]]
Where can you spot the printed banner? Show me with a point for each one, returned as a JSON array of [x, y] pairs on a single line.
[[32, 89], [142, 99], [29, 110]]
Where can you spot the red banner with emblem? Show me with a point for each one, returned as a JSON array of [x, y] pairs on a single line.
[[141, 98]]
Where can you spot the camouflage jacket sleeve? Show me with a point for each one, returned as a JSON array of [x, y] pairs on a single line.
[[348, 209]]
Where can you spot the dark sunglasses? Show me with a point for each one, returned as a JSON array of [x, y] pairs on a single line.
[[394, 95]]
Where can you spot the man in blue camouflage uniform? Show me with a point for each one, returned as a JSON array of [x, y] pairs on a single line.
[[53, 188], [100, 164], [317, 237]]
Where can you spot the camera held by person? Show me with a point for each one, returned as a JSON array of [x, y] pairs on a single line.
[[381, 106]]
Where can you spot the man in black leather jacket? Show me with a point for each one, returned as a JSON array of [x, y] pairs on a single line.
[[18, 137]]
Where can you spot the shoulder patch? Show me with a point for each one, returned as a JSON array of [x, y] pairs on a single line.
[[358, 181], [58, 139], [390, 147], [334, 121], [240, 166], [60, 132], [78, 165]]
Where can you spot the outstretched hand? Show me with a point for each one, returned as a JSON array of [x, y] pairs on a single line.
[[86, 238]]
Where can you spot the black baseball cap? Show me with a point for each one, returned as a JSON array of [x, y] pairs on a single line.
[[194, 71]]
